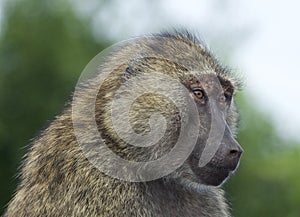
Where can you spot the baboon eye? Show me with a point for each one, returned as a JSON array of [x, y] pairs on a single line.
[[199, 93]]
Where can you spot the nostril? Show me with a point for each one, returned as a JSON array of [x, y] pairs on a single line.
[[235, 153]]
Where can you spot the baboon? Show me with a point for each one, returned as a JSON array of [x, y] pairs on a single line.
[[58, 179]]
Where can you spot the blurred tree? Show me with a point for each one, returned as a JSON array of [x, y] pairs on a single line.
[[267, 182], [43, 48]]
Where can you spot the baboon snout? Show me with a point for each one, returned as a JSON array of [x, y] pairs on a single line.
[[235, 152], [233, 155], [231, 150]]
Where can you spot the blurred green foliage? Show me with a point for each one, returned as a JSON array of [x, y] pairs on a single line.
[[267, 182], [44, 45]]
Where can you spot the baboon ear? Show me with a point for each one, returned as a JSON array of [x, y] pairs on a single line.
[[128, 73], [134, 67]]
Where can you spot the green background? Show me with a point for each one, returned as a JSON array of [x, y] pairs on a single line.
[[44, 46]]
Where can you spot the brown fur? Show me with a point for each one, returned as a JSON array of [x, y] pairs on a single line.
[[58, 180]]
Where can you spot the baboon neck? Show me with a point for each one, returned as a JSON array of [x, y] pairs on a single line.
[[173, 199]]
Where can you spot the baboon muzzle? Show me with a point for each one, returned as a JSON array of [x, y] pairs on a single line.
[[229, 151]]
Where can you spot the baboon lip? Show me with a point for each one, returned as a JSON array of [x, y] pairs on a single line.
[[231, 167]]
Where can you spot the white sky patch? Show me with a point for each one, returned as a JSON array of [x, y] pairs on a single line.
[[271, 61]]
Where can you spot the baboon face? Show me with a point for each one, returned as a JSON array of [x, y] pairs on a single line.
[[210, 89], [213, 97]]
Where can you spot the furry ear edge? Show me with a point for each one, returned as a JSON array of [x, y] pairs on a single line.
[[128, 73], [134, 67]]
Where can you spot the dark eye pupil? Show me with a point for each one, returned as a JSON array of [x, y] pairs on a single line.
[[199, 93]]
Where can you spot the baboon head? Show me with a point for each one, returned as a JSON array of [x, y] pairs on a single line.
[[213, 97], [199, 83]]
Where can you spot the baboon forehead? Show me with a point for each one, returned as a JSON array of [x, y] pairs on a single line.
[[179, 55], [188, 53], [208, 81]]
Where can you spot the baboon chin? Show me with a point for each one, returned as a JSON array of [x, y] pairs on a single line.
[[155, 121]]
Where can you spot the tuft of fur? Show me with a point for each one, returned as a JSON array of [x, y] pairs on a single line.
[[58, 180]]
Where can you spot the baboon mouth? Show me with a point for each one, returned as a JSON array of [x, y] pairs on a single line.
[[218, 176], [216, 172], [231, 168], [213, 174]]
